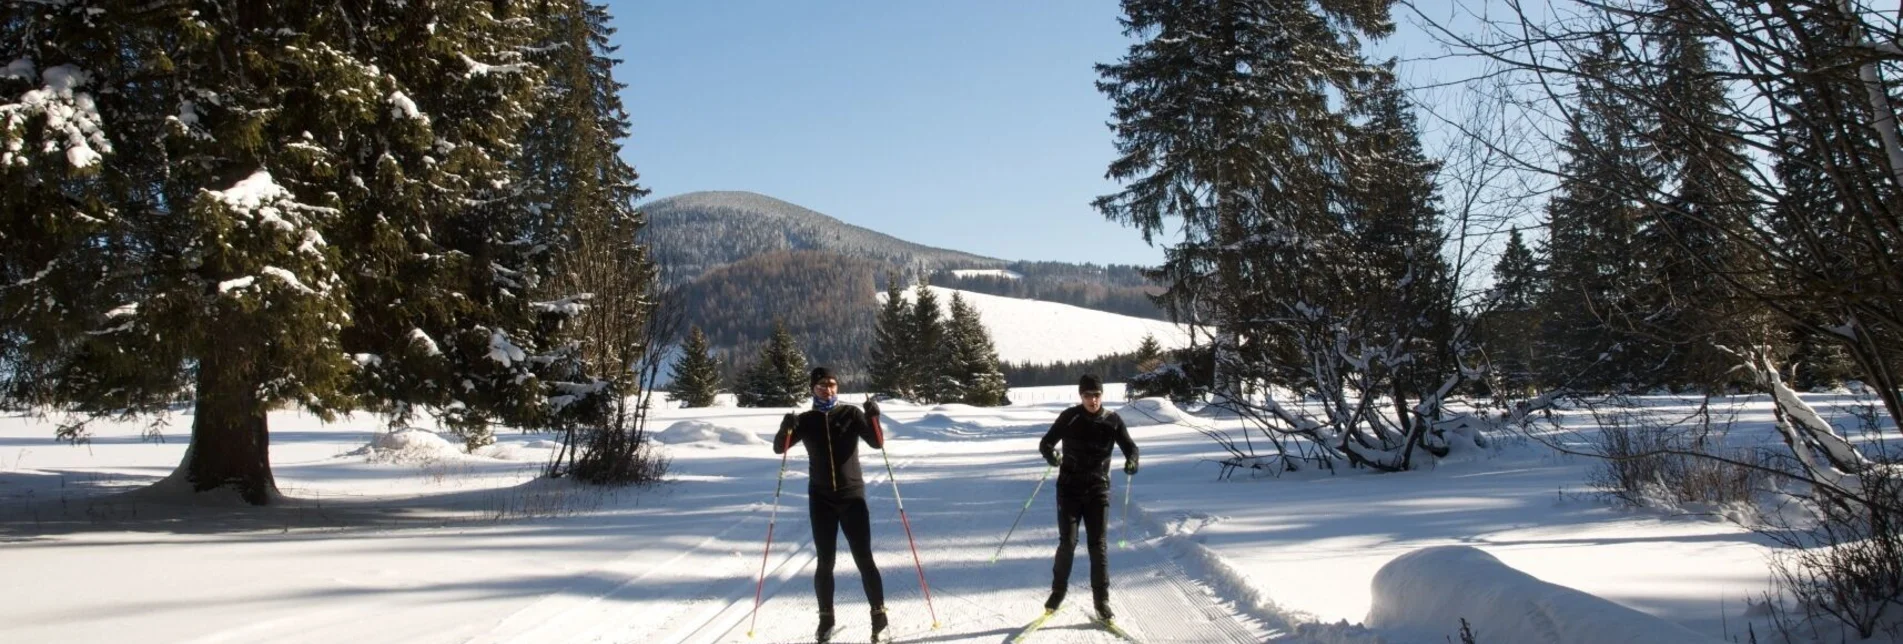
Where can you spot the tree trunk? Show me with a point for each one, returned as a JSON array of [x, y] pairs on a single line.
[[231, 442]]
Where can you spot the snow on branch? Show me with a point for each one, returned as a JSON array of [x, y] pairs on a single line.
[[570, 306], [504, 351], [402, 107], [72, 120], [48, 270], [478, 68]]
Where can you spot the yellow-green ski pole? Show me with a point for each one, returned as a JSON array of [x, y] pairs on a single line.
[[1027, 506]]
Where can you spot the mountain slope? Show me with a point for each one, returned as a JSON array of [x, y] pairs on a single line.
[[1035, 332], [693, 233]]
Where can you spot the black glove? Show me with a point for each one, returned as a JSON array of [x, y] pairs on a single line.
[[1130, 465], [788, 421], [1051, 458], [872, 408]]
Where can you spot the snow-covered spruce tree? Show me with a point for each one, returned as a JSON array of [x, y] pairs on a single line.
[[575, 178], [973, 363], [778, 377], [925, 351], [264, 203], [1308, 211], [1222, 121], [696, 376], [890, 362]]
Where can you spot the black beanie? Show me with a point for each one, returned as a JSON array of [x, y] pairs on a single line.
[[819, 373], [1089, 384]]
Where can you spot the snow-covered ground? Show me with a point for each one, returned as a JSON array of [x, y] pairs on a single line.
[[1038, 332], [410, 541]]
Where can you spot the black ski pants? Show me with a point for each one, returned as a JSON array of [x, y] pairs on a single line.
[[830, 516], [1090, 509]]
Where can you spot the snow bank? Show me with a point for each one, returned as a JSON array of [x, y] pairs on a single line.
[[407, 446], [1144, 412], [695, 431], [1428, 591]]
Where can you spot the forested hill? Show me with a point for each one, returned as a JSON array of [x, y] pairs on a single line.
[[693, 233], [827, 301], [739, 260]]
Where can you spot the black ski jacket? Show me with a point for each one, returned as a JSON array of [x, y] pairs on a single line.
[[1087, 439], [832, 449]]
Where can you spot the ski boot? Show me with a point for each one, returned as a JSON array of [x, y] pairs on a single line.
[[878, 624], [825, 633]]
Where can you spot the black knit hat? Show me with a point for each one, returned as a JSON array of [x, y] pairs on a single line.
[[819, 373], [1089, 384]]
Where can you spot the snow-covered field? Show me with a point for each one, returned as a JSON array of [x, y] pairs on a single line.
[[413, 542], [1038, 332]]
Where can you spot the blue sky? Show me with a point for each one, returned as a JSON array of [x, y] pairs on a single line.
[[972, 125]]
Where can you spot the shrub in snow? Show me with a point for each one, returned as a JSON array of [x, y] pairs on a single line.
[[1145, 412], [407, 446], [694, 431], [1669, 467], [1847, 564], [1429, 592], [1166, 380]]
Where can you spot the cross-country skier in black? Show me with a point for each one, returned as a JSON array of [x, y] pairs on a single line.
[[831, 432], [1087, 432]]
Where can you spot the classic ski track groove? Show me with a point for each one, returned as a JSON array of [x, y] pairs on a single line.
[[718, 626], [1149, 592]]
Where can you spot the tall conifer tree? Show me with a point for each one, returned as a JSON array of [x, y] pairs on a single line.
[[263, 203], [927, 351], [891, 344], [973, 364], [1222, 121]]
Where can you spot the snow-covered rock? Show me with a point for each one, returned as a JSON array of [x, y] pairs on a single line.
[[1144, 412], [1425, 593], [696, 431]]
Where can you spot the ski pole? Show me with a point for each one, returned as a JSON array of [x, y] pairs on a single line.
[[771, 519], [916, 563], [1129, 481], [1027, 507]]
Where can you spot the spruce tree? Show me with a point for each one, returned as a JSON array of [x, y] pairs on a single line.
[[268, 203], [575, 179], [1513, 322], [926, 350], [891, 350], [1149, 352], [973, 375], [695, 375], [1593, 270], [1697, 268], [1223, 120], [777, 377]]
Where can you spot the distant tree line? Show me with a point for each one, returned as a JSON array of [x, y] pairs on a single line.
[[920, 352]]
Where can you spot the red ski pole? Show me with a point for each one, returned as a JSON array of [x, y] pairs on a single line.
[[906, 522], [771, 519]]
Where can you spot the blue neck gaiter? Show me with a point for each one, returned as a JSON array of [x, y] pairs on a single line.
[[825, 405]]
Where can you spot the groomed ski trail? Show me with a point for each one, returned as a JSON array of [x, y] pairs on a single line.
[[962, 495]]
